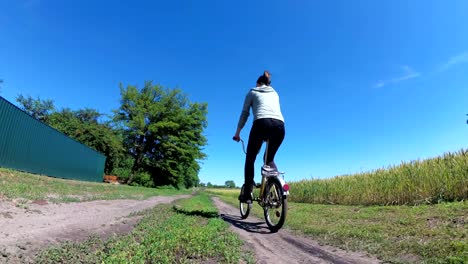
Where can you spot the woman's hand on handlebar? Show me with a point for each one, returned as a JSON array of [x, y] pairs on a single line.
[[236, 136]]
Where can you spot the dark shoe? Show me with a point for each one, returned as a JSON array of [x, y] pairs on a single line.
[[246, 194], [245, 197]]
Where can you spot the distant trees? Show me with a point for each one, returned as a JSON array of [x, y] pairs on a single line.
[[154, 138], [230, 184], [227, 184]]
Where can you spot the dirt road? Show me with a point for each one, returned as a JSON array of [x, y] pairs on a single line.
[[283, 247], [24, 230]]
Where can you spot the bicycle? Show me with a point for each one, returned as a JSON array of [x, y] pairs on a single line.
[[272, 196]]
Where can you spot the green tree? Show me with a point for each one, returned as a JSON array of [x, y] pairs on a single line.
[[37, 108], [230, 184], [163, 132], [209, 185]]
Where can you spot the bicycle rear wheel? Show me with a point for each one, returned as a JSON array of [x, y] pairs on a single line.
[[244, 207], [276, 205]]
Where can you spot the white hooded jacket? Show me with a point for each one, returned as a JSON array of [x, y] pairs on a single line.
[[265, 103]]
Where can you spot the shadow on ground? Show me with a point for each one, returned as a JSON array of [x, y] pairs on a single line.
[[196, 213], [252, 227]]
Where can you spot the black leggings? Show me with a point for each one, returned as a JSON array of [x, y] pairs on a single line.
[[263, 129]]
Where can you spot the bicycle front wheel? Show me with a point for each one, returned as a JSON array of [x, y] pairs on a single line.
[[276, 205], [244, 208]]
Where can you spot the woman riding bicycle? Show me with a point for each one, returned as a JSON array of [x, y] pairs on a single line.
[[268, 125]]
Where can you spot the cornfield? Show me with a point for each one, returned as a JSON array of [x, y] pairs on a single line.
[[428, 181]]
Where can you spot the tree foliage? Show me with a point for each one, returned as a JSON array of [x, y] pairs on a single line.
[[37, 108], [163, 133]]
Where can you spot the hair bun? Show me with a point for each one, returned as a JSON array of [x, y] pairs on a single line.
[[265, 78]]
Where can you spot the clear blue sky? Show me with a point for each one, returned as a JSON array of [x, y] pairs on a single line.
[[363, 84]]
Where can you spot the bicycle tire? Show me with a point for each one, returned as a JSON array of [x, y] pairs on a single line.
[[276, 205], [244, 208]]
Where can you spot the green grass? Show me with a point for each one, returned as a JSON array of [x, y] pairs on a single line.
[[397, 234], [202, 206], [428, 181], [187, 232], [19, 185]]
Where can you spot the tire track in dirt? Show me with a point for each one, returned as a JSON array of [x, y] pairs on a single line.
[[284, 247], [23, 232]]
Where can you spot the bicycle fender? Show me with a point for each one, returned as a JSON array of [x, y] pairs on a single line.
[[282, 182]]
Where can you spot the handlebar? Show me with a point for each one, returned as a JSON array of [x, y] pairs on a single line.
[[242, 141]]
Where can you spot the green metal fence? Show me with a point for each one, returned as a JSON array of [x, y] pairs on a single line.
[[29, 145]]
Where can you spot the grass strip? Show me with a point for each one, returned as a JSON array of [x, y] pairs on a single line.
[[187, 232], [396, 234], [20, 185]]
